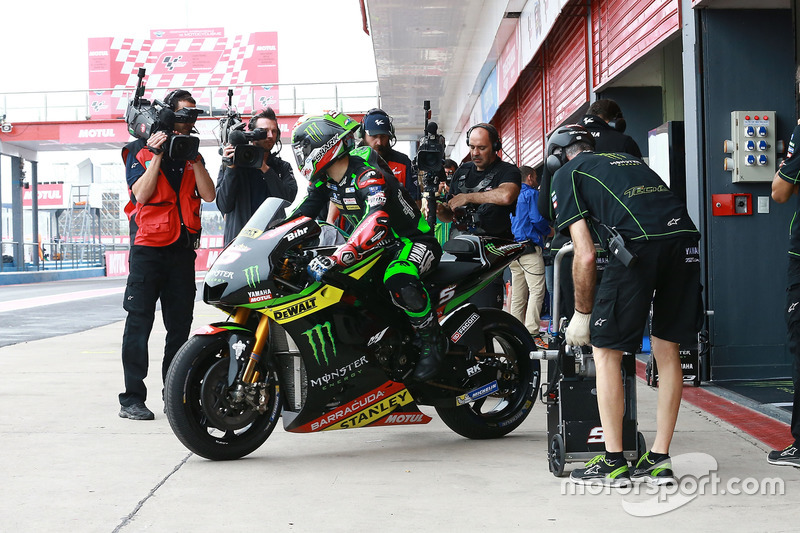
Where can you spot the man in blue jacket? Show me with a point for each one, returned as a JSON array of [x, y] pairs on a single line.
[[527, 272]]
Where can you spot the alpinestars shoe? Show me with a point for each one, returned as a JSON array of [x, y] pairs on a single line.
[[601, 471], [654, 472], [789, 456]]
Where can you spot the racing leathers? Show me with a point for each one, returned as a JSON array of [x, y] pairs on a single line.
[[382, 211]]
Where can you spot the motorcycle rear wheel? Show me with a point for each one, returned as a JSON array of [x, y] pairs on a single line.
[[196, 378], [492, 417]]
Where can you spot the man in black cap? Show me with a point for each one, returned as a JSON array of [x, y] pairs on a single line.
[[377, 132]]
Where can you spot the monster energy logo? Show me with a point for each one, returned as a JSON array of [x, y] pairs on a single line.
[[319, 337], [252, 276]]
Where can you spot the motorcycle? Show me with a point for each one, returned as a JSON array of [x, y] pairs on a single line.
[[337, 354]]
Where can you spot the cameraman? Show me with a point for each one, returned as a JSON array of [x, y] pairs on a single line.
[[484, 191], [164, 213], [240, 190]]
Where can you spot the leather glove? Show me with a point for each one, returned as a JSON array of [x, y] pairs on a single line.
[[578, 329], [319, 266]]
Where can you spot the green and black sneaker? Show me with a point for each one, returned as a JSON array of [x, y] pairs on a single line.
[[654, 472], [602, 471]]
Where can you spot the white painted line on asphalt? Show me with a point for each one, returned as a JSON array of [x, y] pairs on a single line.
[[27, 303]]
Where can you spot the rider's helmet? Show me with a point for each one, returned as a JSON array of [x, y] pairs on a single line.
[[559, 141], [319, 140]]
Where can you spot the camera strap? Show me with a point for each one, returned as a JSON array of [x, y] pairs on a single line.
[[485, 182]]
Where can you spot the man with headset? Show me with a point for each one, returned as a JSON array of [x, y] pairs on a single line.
[[484, 196], [164, 214], [377, 132], [240, 190], [604, 121], [654, 258]]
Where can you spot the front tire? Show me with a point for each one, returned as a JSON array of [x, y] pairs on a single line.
[[203, 414], [500, 413]]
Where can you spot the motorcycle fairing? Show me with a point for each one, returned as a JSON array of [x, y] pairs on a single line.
[[323, 297], [364, 410]]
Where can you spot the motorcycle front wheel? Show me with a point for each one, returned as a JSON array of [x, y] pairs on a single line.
[[205, 413], [516, 374]]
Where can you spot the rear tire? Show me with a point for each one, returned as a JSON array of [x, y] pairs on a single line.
[[500, 413], [202, 413]]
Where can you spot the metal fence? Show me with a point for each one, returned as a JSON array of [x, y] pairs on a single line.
[[297, 98], [56, 255]]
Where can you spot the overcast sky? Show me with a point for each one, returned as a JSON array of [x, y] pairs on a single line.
[[45, 43]]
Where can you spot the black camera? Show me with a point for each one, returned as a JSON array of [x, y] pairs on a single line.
[[145, 118], [429, 162], [245, 154], [231, 131], [466, 218]]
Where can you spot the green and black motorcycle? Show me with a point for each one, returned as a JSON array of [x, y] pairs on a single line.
[[338, 354]]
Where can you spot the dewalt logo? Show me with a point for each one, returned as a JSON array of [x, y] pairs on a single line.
[[320, 337]]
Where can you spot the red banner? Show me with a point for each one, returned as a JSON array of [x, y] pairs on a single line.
[[172, 62], [50, 195]]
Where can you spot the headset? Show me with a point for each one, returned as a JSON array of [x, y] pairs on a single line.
[[497, 143], [251, 126], [360, 133], [173, 97]]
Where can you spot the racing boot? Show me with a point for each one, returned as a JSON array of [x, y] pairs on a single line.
[[432, 349]]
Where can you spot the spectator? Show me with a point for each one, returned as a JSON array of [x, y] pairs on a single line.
[[241, 190], [162, 254], [589, 198], [527, 272]]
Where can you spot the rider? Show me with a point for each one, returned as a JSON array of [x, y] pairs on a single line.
[[380, 210]]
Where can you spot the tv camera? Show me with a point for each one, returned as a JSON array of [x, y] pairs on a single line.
[[231, 131], [145, 118], [429, 162]]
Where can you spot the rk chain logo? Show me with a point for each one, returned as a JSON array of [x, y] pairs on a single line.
[[320, 337]]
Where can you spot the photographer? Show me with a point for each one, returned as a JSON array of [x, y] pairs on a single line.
[[164, 213], [654, 258], [241, 190], [484, 194]]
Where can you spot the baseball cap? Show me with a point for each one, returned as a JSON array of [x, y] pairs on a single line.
[[377, 124]]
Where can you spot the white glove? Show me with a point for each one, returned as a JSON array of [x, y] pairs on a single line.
[[578, 329]]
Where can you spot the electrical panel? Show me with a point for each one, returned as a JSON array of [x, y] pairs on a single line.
[[752, 146]]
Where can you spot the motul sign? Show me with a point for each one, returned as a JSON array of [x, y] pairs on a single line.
[[94, 133], [51, 196]]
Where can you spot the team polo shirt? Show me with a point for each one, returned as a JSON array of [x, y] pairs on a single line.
[[790, 172], [623, 193]]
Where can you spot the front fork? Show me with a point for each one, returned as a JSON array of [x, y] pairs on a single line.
[[251, 375]]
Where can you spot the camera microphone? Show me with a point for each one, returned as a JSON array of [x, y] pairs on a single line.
[[237, 137]]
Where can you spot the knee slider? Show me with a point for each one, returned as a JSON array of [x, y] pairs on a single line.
[[407, 292]]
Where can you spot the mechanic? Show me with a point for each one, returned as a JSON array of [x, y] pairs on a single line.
[[616, 196]]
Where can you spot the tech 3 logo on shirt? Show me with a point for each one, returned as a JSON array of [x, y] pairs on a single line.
[[320, 337]]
